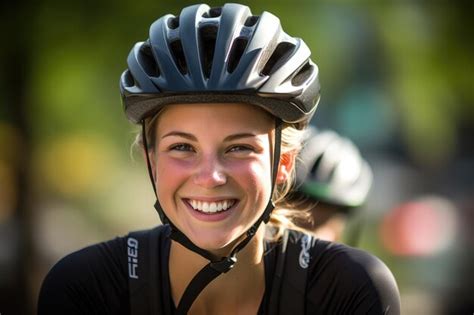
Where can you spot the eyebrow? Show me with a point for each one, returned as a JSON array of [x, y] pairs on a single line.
[[238, 136], [191, 137], [180, 134]]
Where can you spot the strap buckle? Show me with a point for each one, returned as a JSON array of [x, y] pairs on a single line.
[[224, 265]]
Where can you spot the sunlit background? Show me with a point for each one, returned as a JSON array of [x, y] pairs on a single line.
[[397, 78]]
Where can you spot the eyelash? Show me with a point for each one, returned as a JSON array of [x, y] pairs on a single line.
[[240, 148], [183, 147]]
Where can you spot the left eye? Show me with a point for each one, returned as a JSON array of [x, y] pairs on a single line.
[[240, 148]]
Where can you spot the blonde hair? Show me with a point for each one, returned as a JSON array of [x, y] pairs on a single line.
[[150, 127], [285, 212]]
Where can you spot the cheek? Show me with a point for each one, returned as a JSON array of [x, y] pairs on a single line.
[[170, 174], [254, 176], [166, 167]]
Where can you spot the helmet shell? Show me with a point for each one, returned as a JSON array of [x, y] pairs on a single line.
[[220, 55], [331, 169]]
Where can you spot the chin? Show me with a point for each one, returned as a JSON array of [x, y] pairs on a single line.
[[218, 243]]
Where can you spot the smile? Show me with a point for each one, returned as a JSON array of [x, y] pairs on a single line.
[[211, 207]]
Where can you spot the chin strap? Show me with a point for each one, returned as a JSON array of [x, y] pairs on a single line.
[[215, 267]]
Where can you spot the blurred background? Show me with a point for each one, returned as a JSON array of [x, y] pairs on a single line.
[[397, 79]]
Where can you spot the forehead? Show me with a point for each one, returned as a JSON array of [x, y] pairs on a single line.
[[215, 117]]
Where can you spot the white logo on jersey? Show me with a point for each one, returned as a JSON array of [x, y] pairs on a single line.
[[304, 254], [132, 250]]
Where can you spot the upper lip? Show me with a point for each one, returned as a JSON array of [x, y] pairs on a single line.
[[210, 199]]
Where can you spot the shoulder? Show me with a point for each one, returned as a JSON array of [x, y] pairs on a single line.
[[89, 281], [358, 281], [93, 280]]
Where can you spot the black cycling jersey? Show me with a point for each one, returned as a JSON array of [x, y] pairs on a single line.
[[340, 280]]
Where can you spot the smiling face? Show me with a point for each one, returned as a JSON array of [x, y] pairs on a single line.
[[212, 164]]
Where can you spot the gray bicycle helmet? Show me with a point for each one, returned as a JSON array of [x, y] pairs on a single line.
[[331, 170], [221, 55]]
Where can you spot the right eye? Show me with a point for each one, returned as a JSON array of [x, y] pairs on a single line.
[[183, 147]]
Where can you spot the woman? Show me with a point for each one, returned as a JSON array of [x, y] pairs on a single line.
[[223, 97]]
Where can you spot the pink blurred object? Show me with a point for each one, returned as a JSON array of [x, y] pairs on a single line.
[[422, 227]]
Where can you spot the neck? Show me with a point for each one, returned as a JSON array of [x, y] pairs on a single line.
[[239, 290]]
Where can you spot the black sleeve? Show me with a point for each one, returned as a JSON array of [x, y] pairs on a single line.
[[90, 281], [345, 280]]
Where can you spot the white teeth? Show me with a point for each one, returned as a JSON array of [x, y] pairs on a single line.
[[211, 207]]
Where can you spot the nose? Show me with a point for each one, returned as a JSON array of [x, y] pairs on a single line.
[[209, 173]]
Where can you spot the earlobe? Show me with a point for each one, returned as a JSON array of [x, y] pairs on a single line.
[[285, 167], [282, 174]]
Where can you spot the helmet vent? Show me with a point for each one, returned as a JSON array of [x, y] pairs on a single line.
[[251, 20], [213, 12], [236, 52], [315, 166], [303, 74], [173, 23], [178, 55], [147, 61], [128, 79], [278, 57], [208, 35]]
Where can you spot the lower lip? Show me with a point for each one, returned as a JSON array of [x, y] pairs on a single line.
[[211, 217]]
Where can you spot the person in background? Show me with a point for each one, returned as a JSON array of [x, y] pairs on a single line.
[[332, 183]]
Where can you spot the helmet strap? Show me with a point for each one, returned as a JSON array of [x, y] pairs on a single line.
[[215, 267]]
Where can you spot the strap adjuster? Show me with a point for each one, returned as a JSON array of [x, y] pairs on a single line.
[[224, 265]]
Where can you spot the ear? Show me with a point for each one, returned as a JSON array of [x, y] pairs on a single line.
[[287, 162]]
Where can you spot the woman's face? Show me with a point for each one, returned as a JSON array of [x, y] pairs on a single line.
[[213, 169]]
